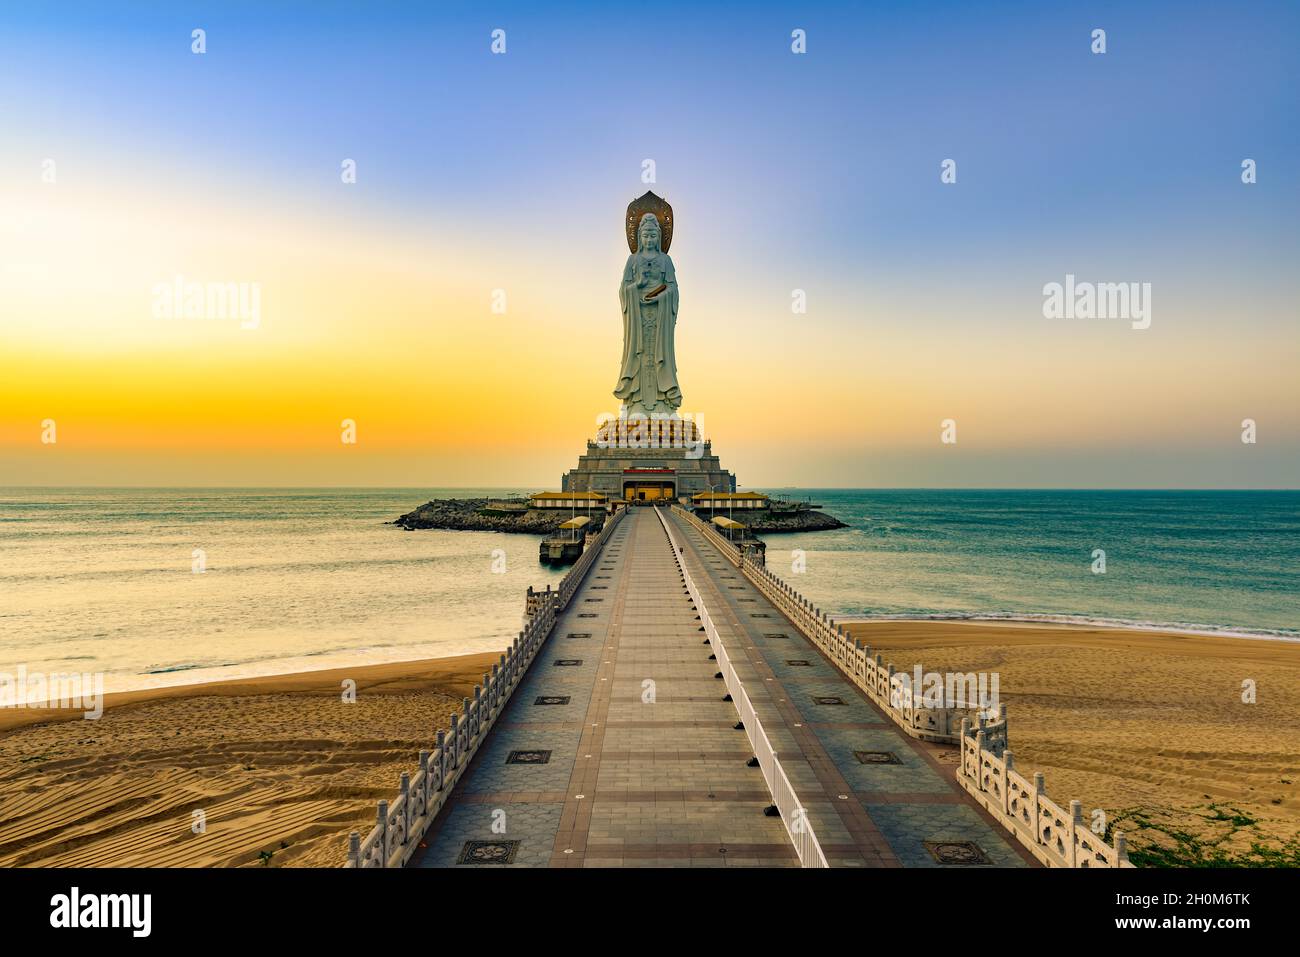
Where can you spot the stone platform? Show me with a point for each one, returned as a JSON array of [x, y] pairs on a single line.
[[648, 465]]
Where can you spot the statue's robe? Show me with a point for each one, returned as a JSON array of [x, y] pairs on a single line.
[[637, 394]]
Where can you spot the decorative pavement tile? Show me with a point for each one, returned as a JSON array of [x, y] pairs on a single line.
[[874, 757], [529, 836], [911, 773], [912, 829], [491, 772], [957, 852], [529, 757], [488, 852], [855, 710]]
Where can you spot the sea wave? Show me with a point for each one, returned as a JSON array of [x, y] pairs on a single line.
[[1186, 628]]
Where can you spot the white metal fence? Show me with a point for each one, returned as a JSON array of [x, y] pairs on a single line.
[[787, 803]]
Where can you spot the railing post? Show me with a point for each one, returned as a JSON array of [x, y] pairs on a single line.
[[1007, 766], [405, 792], [425, 776], [381, 816], [1076, 818], [1040, 789], [961, 745], [1121, 849], [354, 849]]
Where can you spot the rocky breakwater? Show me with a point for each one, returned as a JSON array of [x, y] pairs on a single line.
[[485, 515], [806, 520]]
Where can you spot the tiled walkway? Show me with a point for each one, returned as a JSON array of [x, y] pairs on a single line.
[[619, 750]]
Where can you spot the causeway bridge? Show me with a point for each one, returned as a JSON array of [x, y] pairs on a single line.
[[674, 703]]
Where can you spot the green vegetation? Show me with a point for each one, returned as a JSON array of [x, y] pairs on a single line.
[[1217, 835]]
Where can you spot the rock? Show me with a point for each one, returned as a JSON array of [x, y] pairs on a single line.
[[810, 520], [472, 514]]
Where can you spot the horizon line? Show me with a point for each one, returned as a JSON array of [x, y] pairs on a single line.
[[816, 488]]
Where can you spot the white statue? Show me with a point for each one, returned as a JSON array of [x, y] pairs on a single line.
[[647, 378]]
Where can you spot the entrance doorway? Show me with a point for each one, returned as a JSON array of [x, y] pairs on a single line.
[[650, 491]]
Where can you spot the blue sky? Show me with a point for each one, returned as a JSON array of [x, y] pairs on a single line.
[[818, 171]]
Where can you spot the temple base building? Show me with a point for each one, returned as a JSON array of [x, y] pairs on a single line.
[[649, 461]]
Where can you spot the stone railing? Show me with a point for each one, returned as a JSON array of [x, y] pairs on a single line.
[[1054, 837], [401, 824], [569, 584], [888, 690]]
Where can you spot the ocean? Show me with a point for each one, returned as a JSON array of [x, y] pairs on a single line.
[[104, 580], [1215, 561]]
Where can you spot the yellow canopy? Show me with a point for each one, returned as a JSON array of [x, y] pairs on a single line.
[[578, 522], [723, 522]]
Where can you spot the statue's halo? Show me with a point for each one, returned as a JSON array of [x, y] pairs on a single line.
[[649, 203]]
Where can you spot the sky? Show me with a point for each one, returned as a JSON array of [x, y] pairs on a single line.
[[127, 160]]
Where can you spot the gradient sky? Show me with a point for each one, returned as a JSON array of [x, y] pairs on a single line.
[[818, 172]]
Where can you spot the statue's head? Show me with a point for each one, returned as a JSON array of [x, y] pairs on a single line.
[[647, 233]]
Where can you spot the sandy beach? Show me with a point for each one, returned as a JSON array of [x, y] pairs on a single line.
[[279, 766], [1149, 726]]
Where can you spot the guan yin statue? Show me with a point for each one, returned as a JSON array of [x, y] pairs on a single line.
[[647, 378], [650, 451]]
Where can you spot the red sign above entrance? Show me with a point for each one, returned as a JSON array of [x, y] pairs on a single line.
[[650, 471]]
